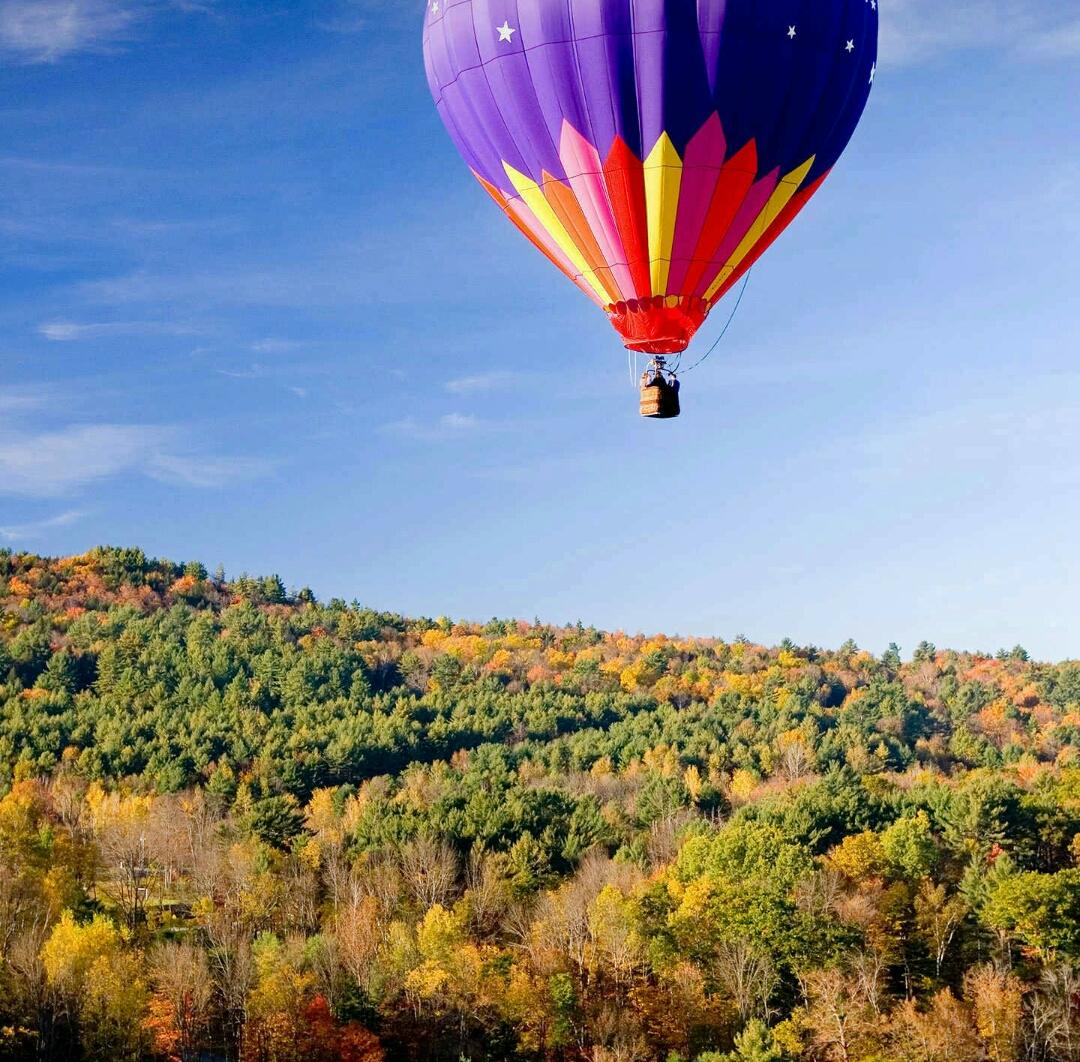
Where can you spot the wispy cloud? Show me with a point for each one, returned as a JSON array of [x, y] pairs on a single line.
[[255, 287], [281, 376], [72, 169], [22, 399], [274, 346], [208, 472], [254, 373], [33, 529], [1060, 42], [345, 17], [56, 462], [381, 267], [459, 422], [143, 228], [481, 383], [915, 30], [1024, 435], [446, 427], [48, 464], [353, 16], [69, 331], [44, 31]]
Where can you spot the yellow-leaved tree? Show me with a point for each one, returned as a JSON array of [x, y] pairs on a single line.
[[100, 984]]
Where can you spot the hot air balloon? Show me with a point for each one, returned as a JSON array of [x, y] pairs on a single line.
[[653, 150]]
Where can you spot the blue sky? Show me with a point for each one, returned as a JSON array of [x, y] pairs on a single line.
[[253, 310]]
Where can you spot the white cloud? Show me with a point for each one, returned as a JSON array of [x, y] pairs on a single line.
[[21, 399], [21, 532], [1061, 42], [72, 169], [488, 381], [274, 346], [458, 421], [345, 18], [208, 472], [56, 462], [53, 463], [353, 16], [333, 273], [68, 331], [254, 373], [446, 427], [255, 287], [916, 30], [43, 31], [46, 30], [1024, 434]]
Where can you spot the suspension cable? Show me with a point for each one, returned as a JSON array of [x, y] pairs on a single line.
[[723, 332]]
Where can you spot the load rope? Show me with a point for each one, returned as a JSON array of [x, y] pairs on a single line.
[[735, 310]]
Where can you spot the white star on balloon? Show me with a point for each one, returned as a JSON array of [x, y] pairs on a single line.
[[435, 7], [850, 46], [873, 73], [506, 31], [791, 32]]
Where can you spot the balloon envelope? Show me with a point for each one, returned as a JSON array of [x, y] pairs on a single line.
[[652, 149]]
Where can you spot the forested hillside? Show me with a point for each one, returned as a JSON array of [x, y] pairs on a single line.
[[236, 822]]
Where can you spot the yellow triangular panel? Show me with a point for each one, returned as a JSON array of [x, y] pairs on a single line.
[[780, 198], [535, 200], [663, 177]]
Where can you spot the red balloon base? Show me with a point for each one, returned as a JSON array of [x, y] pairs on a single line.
[[662, 324]]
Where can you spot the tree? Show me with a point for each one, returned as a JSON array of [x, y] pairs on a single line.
[[938, 916], [1043, 910], [329, 1042], [891, 659], [430, 869], [112, 1016], [276, 1028], [908, 845], [838, 1015], [101, 986], [615, 947], [859, 857], [943, 1032], [181, 1000], [451, 980], [126, 833], [747, 972], [269, 796], [755, 1044], [1055, 1014], [997, 1001], [72, 949]]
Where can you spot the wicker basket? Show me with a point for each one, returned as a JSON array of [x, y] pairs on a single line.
[[659, 401]]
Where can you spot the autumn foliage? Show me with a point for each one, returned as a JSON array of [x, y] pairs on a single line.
[[238, 823]]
